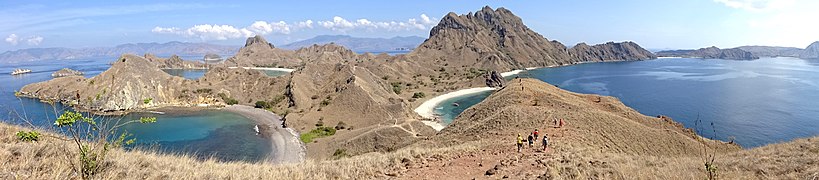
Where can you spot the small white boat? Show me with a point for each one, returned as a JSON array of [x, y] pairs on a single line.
[[256, 128], [20, 71], [456, 104]]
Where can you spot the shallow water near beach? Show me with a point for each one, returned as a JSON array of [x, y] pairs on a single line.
[[223, 135], [756, 102]]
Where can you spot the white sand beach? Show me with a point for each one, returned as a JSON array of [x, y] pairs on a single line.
[[287, 148], [511, 73], [427, 109], [264, 68]]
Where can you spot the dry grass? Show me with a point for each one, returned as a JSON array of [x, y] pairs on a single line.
[[47, 159]]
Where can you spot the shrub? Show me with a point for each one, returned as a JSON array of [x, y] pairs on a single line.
[[93, 141], [324, 102], [147, 100], [319, 132], [262, 104], [340, 153], [203, 91], [228, 100], [419, 95], [396, 87], [28, 136], [341, 125]]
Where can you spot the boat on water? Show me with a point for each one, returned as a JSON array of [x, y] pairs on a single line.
[[20, 71], [456, 104]]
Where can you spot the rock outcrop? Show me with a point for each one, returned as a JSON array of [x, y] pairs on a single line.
[[66, 72], [494, 79], [811, 52], [711, 53]]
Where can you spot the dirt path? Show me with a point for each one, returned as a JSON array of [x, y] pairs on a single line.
[[287, 148]]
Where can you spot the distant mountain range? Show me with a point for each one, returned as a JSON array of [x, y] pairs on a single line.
[[169, 48], [811, 52], [747, 52], [361, 44]]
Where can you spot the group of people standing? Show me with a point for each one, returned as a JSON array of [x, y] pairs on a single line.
[[531, 139], [533, 136]]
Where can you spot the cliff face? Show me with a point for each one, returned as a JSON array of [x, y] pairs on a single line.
[[711, 53], [610, 51], [498, 40], [811, 52], [257, 52]]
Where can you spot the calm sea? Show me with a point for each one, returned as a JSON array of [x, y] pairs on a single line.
[[223, 135], [756, 102]]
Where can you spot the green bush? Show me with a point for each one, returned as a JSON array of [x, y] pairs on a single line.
[[228, 100], [147, 100], [28, 136], [203, 91], [319, 132], [262, 104], [396, 87], [340, 153], [419, 95]]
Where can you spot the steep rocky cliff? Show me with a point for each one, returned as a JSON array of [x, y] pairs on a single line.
[[257, 52], [711, 53]]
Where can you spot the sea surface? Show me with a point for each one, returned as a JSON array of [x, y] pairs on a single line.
[[222, 135], [757, 102]]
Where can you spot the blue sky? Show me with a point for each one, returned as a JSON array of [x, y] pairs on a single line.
[[651, 23]]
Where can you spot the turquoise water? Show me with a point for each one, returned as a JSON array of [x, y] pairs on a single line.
[[757, 102], [223, 135], [447, 111]]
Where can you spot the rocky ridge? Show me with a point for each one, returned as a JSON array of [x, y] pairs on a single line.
[[711, 53], [66, 72]]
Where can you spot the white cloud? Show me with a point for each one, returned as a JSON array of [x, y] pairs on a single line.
[[341, 24], [34, 40], [305, 24], [757, 5], [12, 39], [224, 32]]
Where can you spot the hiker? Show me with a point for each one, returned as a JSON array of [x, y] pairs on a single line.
[[561, 123], [535, 133], [520, 142], [531, 140], [545, 142]]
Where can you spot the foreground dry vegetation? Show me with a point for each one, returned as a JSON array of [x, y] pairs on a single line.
[[602, 141]]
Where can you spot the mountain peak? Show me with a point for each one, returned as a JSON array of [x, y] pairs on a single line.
[[258, 39]]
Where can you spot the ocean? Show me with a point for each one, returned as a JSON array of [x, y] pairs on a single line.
[[757, 102]]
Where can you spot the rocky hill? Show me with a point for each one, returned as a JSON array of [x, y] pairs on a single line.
[[772, 51], [169, 48], [811, 52], [358, 44], [499, 40], [610, 51], [173, 62], [711, 53], [134, 83]]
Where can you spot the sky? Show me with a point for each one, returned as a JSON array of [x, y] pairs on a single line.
[[654, 24]]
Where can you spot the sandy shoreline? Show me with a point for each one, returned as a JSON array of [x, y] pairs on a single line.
[[287, 148], [264, 68], [427, 109]]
